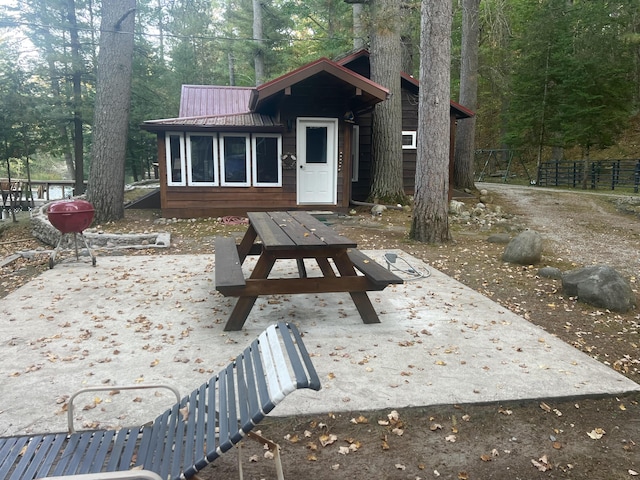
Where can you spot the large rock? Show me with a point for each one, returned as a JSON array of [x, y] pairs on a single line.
[[524, 249], [601, 286]]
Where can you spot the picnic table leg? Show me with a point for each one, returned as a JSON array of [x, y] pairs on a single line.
[[246, 243], [360, 299], [245, 304]]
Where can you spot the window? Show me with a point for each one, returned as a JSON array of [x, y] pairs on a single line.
[[202, 159], [230, 159], [235, 160], [409, 140], [175, 159], [316, 145], [267, 160]]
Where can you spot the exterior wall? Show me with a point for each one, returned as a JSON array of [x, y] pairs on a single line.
[[362, 187]]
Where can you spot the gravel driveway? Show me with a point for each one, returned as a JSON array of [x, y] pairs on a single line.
[[579, 226]]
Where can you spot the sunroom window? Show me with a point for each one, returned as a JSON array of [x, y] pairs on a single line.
[[229, 159], [202, 161], [235, 160], [175, 159], [267, 160]]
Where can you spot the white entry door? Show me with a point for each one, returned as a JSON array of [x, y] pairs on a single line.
[[317, 144]]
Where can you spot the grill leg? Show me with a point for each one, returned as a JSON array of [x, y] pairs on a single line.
[[52, 258], [86, 245], [75, 244]]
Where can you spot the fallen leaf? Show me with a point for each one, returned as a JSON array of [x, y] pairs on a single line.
[[327, 439], [596, 433], [185, 413], [343, 450], [542, 464], [450, 438]]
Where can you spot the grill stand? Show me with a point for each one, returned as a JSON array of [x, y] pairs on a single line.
[[52, 258]]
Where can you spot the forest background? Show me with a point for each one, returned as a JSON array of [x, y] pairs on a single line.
[[555, 77]]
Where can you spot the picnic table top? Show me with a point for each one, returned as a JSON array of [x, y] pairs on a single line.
[[297, 229]]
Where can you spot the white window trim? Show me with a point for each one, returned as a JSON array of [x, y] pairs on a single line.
[[183, 176], [247, 161], [413, 144], [215, 160], [254, 159]]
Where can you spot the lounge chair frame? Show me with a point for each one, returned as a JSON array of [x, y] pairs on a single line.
[[184, 439]]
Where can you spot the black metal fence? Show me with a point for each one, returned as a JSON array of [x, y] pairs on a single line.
[[607, 174]]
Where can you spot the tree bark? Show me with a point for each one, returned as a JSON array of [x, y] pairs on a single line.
[[358, 28], [111, 117], [464, 159], [430, 215], [76, 77], [258, 36], [386, 58]]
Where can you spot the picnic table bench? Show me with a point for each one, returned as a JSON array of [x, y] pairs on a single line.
[[298, 236]]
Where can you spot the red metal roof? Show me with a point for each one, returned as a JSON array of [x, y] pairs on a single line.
[[201, 100], [248, 120]]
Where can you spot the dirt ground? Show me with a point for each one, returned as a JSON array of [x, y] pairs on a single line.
[[578, 438]]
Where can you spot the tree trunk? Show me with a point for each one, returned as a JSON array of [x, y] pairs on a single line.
[[111, 118], [358, 28], [258, 34], [386, 57], [430, 215], [76, 78], [464, 159]]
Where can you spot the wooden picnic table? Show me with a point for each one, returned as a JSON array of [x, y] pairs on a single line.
[[295, 236]]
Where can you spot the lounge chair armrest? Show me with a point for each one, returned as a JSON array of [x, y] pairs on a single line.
[[128, 475], [108, 388]]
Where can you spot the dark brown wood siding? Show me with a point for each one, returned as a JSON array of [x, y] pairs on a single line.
[[361, 188]]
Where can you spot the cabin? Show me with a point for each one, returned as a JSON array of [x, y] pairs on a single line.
[[298, 142]]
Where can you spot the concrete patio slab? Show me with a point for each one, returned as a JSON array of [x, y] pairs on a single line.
[[158, 319]]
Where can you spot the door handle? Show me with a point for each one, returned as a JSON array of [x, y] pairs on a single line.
[[301, 166]]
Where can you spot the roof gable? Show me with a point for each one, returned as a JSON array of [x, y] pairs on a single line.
[[359, 61], [371, 91]]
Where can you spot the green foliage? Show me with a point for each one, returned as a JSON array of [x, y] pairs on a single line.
[[572, 81]]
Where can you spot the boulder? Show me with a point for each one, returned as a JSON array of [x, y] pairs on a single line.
[[524, 249], [503, 238], [601, 286], [550, 272]]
